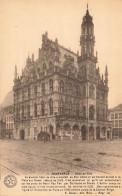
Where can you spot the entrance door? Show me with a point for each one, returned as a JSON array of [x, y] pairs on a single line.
[[22, 135], [83, 129]]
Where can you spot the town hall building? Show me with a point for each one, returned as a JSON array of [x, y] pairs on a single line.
[[61, 94]]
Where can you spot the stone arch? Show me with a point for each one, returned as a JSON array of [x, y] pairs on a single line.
[[91, 91], [66, 131], [75, 132], [91, 133], [84, 132], [22, 134]]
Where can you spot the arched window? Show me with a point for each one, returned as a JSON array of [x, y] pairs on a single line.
[[28, 111], [91, 91], [61, 107], [84, 91], [44, 67], [70, 88], [70, 108], [51, 85], [77, 109], [61, 86], [43, 88], [50, 64], [51, 107], [22, 111], [84, 112], [77, 91], [35, 91], [42, 108], [98, 113], [35, 110], [91, 112]]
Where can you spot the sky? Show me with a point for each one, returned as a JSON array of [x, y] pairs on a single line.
[[22, 23]]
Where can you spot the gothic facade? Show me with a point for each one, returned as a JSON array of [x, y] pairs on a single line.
[[61, 95]]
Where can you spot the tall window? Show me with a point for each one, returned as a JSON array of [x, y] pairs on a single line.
[[44, 67], [51, 85], [70, 108], [61, 107], [43, 88], [35, 91], [28, 111], [35, 110], [61, 86], [91, 112], [22, 111], [42, 108], [51, 107], [84, 91], [91, 91], [98, 113], [70, 88], [77, 109], [50, 64], [84, 111], [77, 91]]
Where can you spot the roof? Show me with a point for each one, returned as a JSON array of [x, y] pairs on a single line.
[[117, 108], [8, 100]]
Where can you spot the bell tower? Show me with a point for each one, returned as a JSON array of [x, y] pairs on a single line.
[[87, 38]]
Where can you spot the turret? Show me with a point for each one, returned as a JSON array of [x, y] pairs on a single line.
[[106, 76]]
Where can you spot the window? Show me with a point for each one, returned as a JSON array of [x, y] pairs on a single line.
[[112, 116], [28, 92], [61, 107], [116, 123], [70, 88], [116, 116], [120, 123], [84, 112], [43, 88], [44, 67], [61, 86], [35, 110], [70, 108], [120, 115], [51, 86], [35, 91], [84, 91], [98, 113], [50, 64], [91, 91], [112, 123], [91, 112], [51, 107], [42, 108], [28, 111], [22, 111], [77, 109], [77, 91]]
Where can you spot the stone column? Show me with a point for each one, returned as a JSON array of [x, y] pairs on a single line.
[[94, 133], [87, 133], [71, 134], [61, 133]]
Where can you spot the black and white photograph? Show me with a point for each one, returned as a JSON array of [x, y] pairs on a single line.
[[60, 97]]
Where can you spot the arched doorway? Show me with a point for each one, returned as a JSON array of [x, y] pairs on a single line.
[[66, 132], [84, 132], [52, 136], [103, 133], [91, 133], [22, 134], [98, 133], [76, 132]]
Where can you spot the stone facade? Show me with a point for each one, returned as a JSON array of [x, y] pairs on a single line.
[[61, 95]]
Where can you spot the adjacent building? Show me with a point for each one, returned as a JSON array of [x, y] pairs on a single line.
[[61, 94], [115, 117], [6, 117]]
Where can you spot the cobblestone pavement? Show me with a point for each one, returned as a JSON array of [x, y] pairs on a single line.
[[39, 157]]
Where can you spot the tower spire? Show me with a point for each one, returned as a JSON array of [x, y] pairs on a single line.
[[15, 74]]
